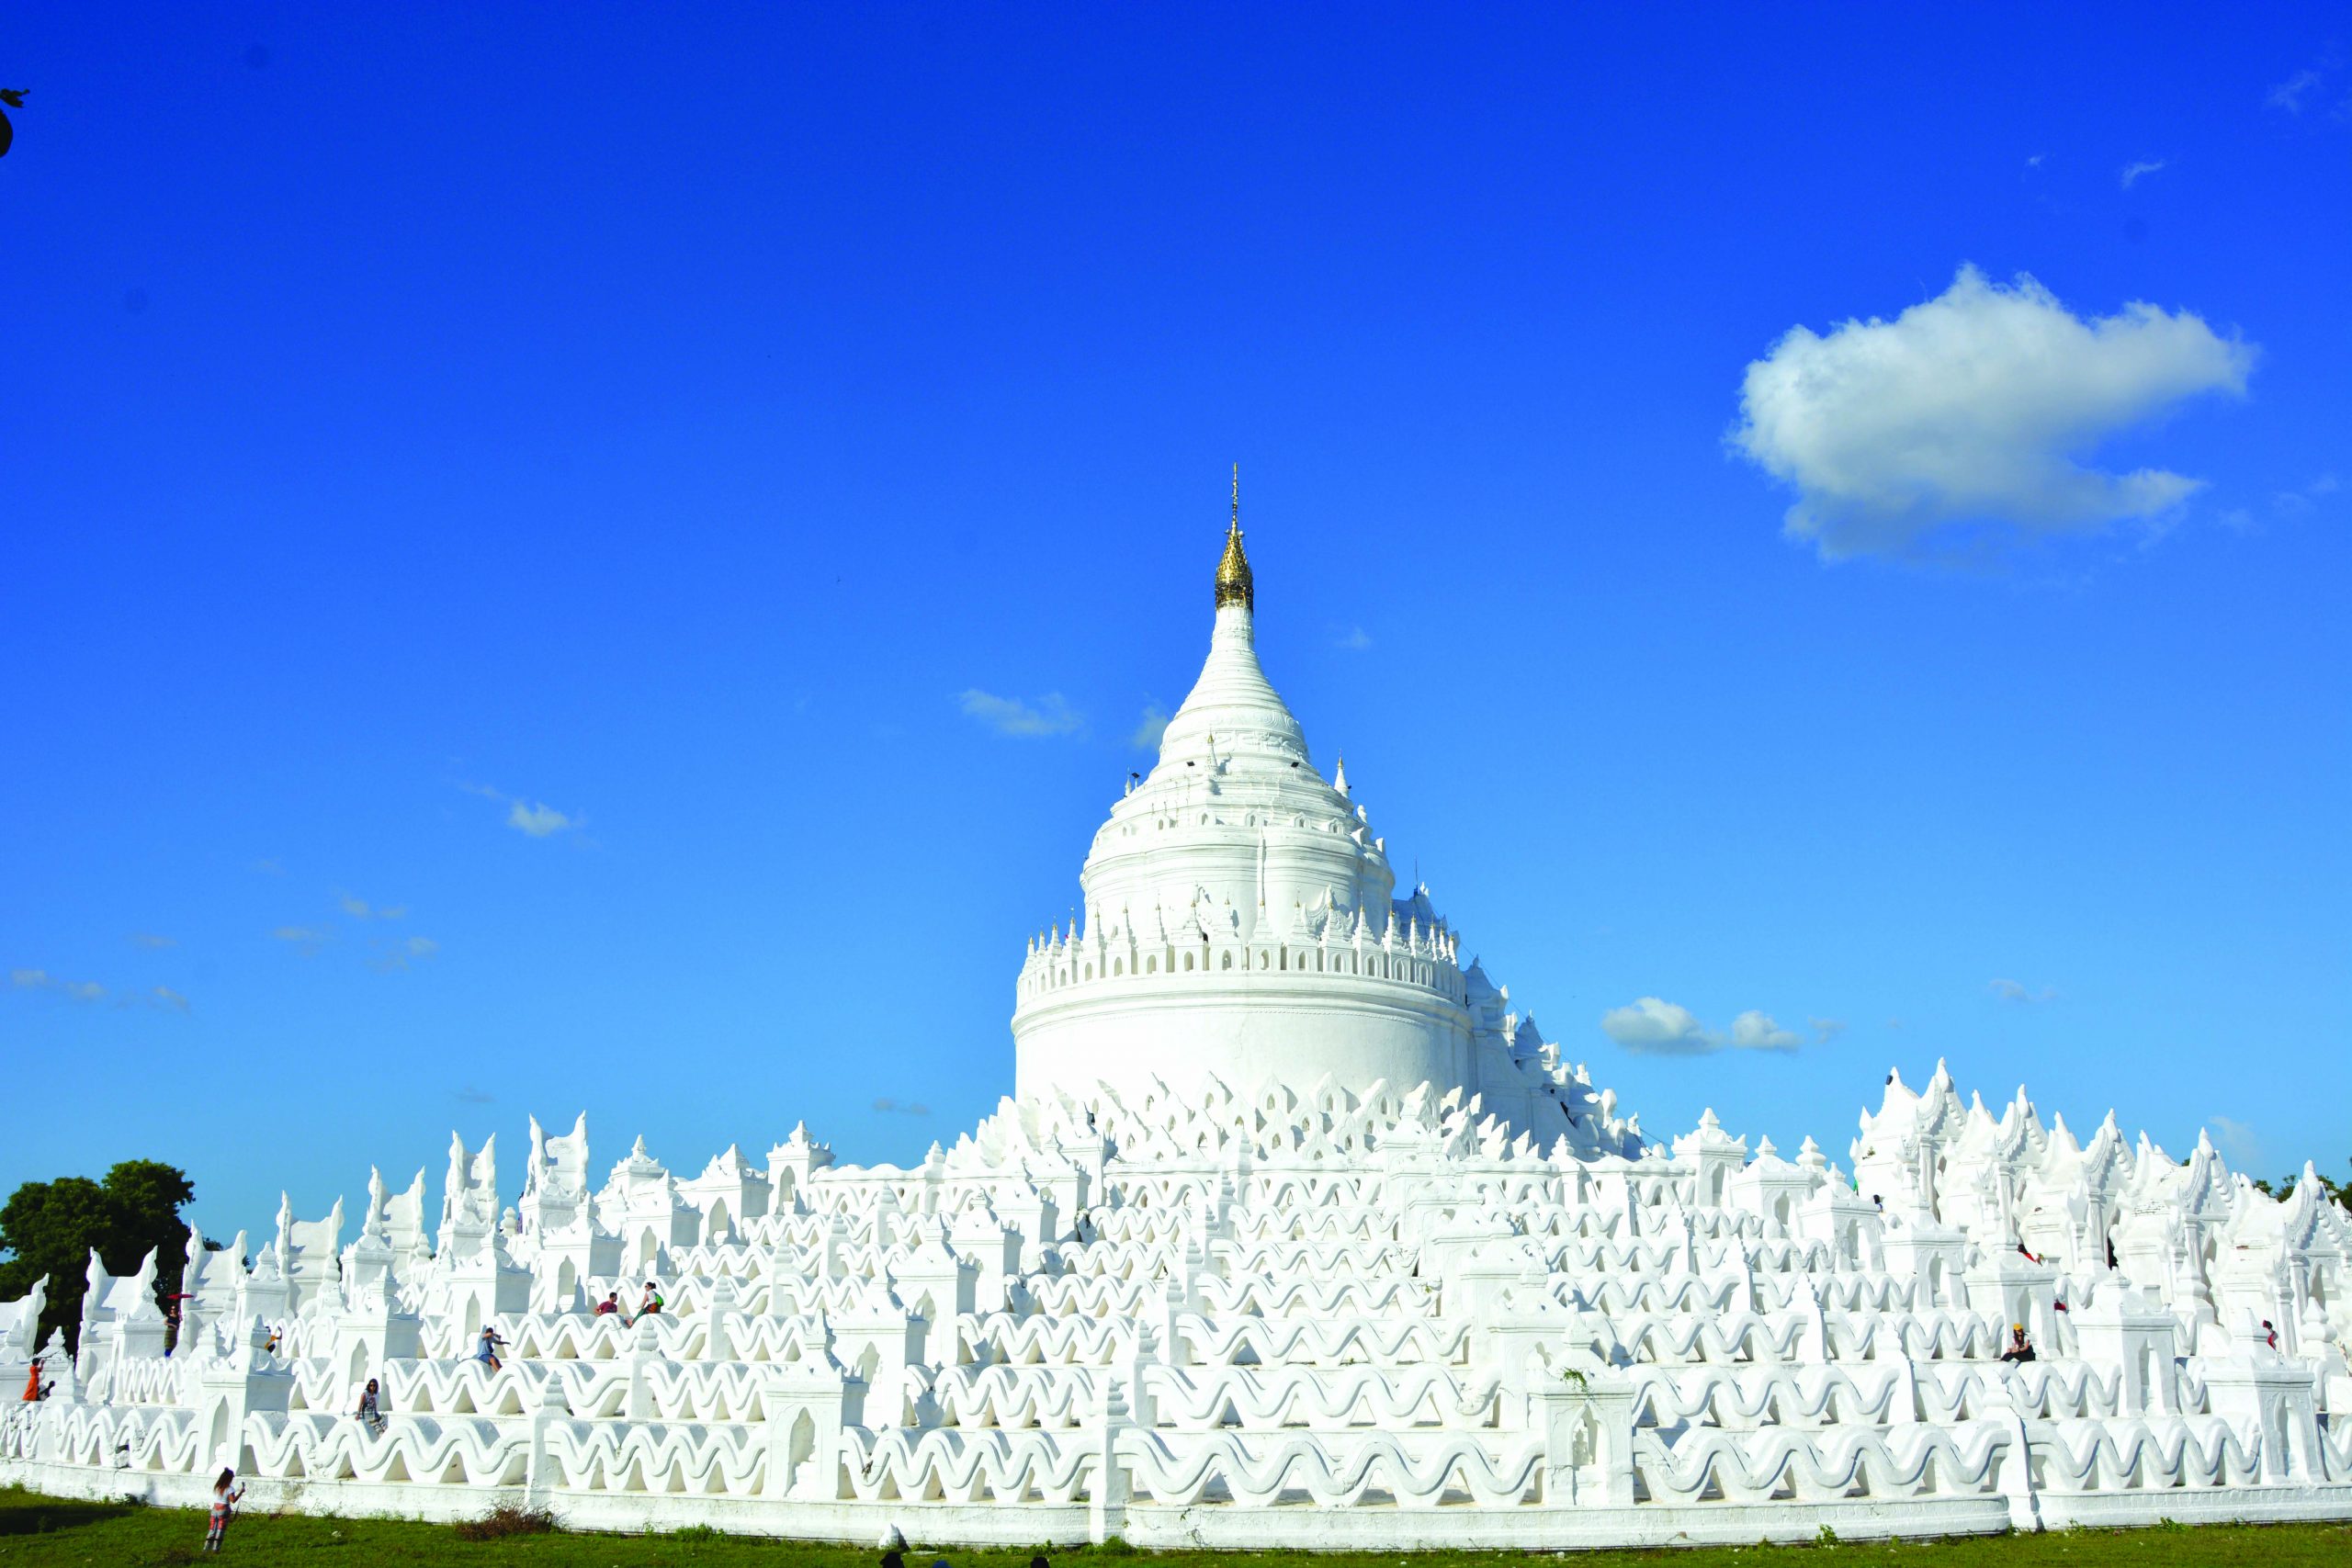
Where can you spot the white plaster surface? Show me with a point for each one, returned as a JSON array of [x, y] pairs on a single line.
[[1316, 1243]]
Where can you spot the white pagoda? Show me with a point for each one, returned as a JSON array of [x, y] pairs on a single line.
[[1293, 1233]]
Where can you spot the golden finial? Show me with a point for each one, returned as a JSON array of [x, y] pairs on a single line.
[[1233, 581]]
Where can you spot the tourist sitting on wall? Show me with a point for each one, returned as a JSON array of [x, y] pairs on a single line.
[[651, 1302], [2020, 1348], [486, 1348], [610, 1305], [370, 1413]]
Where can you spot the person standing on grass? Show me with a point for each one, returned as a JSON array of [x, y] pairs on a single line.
[[223, 1500]]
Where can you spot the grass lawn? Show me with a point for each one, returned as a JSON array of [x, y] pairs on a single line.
[[38, 1532]]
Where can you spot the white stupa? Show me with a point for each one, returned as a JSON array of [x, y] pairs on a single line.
[[1239, 928], [1292, 1233]]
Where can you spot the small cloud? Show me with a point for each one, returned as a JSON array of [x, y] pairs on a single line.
[[2033, 160], [469, 1095], [2016, 991], [2134, 173], [2303, 501], [533, 818], [1149, 728], [358, 908], [1756, 1031], [159, 996], [1355, 639], [270, 867], [1973, 408], [2238, 520], [1652, 1027], [2288, 95], [42, 980], [892, 1107], [1825, 1029], [391, 956], [150, 940], [310, 939], [1656, 1028], [2238, 1142], [1050, 714], [538, 818]]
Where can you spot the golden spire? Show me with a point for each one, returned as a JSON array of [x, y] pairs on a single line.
[[1233, 582]]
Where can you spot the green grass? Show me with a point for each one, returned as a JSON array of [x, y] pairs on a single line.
[[38, 1532]]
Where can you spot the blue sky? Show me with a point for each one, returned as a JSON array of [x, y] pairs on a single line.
[[505, 515]]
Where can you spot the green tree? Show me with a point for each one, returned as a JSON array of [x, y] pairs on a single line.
[[49, 1227], [2341, 1191]]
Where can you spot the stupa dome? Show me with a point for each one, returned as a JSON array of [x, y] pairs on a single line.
[[1240, 925]]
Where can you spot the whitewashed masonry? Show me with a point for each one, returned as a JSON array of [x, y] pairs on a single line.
[[1293, 1233]]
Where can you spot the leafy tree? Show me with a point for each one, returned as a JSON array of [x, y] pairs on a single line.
[[49, 1227], [2341, 1191]]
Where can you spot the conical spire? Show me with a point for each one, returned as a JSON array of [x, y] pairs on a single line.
[[1233, 581]]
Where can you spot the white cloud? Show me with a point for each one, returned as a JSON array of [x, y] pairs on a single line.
[[1825, 1029], [2301, 503], [2289, 94], [150, 940], [1050, 714], [2238, 1142], [896, 1108], [1658, 1028], [162, 998], [534, 819], [391, 956], [2016, 991], [1971, 408], [359, 909], [1756, 1031], [538, 818], [2134, 173], [1149, 728], [1355, 639], [310, 939], [42, 980], [2034, 159], [1652, 1026]]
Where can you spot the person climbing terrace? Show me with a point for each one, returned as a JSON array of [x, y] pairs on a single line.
[[224, 1501], [486, 1348], [610, 1306], [371, 1411], [35, 1390], [2020, 1348]]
